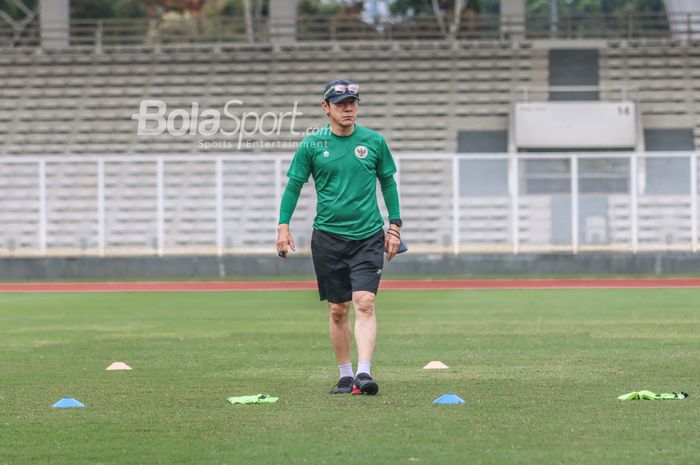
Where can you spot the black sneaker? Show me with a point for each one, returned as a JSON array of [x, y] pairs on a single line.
[[365, 385], [344, 386]]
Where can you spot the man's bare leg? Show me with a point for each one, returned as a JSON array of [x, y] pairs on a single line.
[[341, 334], [365, 324], [341, 337], [365, 338]]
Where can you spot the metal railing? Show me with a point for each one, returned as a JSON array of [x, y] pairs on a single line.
[[222, 30], [454, 203]]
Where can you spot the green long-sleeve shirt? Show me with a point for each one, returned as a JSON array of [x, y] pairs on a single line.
[[345, 171]]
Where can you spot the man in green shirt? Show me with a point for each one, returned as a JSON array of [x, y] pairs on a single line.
[[348, 241]]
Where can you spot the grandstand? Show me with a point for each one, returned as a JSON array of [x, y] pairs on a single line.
[[77, 178], [69, 102], [662, 77], [417, 94]]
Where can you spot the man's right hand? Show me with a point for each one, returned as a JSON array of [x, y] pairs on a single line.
[[284, 240]]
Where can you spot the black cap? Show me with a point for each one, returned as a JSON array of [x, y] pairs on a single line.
[[330, 95]]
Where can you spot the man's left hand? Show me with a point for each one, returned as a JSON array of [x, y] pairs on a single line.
[[392, 240]]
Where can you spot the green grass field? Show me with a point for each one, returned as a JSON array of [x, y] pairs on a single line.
[[540, 371]]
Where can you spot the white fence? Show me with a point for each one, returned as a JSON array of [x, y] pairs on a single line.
[[509, 203]]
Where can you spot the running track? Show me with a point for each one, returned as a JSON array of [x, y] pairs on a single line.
[[389, 284]]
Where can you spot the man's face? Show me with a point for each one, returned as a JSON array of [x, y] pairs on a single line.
[[343, 113]]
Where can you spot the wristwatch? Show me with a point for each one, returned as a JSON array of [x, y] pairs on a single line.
[[398, 222]]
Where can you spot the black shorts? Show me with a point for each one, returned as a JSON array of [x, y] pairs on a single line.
[[344, 266]]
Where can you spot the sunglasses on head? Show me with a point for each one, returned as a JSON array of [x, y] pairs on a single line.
[[352, 89]]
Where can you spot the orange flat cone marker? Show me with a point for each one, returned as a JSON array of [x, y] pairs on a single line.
[[118, 366], [435, 365]]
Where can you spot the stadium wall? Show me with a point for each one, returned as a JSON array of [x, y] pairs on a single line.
[[212, 267]]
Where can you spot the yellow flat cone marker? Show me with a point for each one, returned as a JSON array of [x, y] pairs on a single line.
[[118, 366], [435, 365]]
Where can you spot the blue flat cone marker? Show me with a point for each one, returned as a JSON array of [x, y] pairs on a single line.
[[68, 402], [449, 399]]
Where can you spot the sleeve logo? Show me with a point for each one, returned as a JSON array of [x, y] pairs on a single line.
[[361, 151]]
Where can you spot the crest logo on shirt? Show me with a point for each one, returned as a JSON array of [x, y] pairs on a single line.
[[326, 154], [361, 151]]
